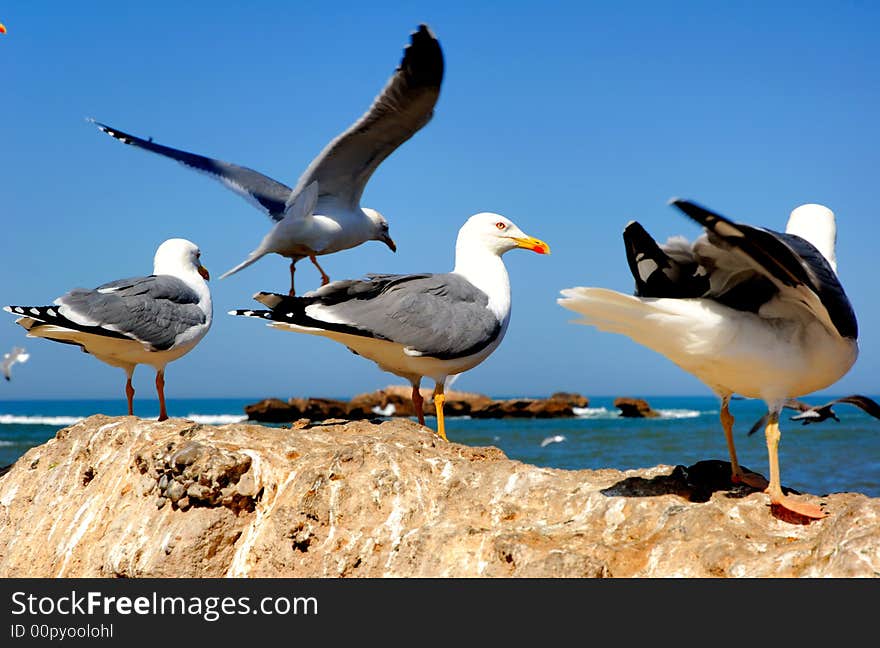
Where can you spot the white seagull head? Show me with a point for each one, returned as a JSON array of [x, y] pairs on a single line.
[[380, 228], [179, 257], [815, 224], [497, 234]]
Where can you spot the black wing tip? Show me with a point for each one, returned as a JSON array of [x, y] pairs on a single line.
[[423, 58]]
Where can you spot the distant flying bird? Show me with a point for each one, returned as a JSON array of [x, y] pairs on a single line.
[[16, 355], [322, 213], [745, 309], [388, 410], [143, 320], [557, 438], [818, 413], [416, 325]]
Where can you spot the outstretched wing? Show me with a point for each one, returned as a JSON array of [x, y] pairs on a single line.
[[403, 107], [263, 192]]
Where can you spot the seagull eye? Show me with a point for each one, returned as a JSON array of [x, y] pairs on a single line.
[[500, 225]]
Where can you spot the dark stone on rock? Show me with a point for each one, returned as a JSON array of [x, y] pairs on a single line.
[[634, 408]]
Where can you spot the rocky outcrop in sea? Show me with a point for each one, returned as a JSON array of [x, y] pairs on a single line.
[[396, 400]]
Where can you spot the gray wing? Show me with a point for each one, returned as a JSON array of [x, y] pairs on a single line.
[[403, 107], [263, 192], [787, 260], [153, 310], [438, 315]]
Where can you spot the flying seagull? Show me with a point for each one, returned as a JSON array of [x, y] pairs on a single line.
[[143, 320], [416, 325], [322, 213], [818, 413], [747, 310], [17, 354]]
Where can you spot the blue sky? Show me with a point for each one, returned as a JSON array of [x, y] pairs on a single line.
[[569, 118]]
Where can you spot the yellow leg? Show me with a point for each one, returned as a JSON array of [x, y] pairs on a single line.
[[439, 399], [774, 489]]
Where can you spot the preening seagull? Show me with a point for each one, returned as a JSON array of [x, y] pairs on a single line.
[[17, 354], [416, 325], [149, 320], [818, 413], [322, 213], [747, 310]]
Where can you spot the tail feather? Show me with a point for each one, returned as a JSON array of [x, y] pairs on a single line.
[[255, 256], [672, 327]]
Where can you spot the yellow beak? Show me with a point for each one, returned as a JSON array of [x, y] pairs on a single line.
[[533, 244], [204, 272]]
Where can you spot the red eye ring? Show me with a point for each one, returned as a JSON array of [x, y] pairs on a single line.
[[500, 225]]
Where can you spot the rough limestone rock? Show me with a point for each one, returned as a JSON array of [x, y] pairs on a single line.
[[634, 408], [136, 498]]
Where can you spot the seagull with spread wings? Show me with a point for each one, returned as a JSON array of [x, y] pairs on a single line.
[[322, 213], [818, 413], [18, 354], [747, 310]]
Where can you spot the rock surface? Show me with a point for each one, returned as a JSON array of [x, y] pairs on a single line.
[[634, 408], [396, 400], [136, 498]]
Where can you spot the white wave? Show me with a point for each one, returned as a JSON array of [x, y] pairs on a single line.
[[593, 412], [216, 419], [7, 443], [678, 413], [605, 413], [12, 419]]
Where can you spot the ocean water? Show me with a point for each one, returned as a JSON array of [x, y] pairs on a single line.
[[821, 458]]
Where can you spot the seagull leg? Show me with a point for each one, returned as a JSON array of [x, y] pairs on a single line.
[[292, 292], [439, 399], [160, 389], [417, 403], [737, 475], [324, 278], [129, 392], [777, 497]]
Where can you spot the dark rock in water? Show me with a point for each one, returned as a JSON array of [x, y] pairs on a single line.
[[378, 403], [634, 408], [575, 400], [271, 410], [526, 408]]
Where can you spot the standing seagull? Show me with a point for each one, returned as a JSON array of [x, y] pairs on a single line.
[[416, 325], [745, 309], [16, 355], [322, 213], [143, 320]]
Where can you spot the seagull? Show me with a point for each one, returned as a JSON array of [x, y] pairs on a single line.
[[17, 354], [322, 213], [143, 320], [746, 310], [818, 413], [416, 325], [388, 410], [557, 438]]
